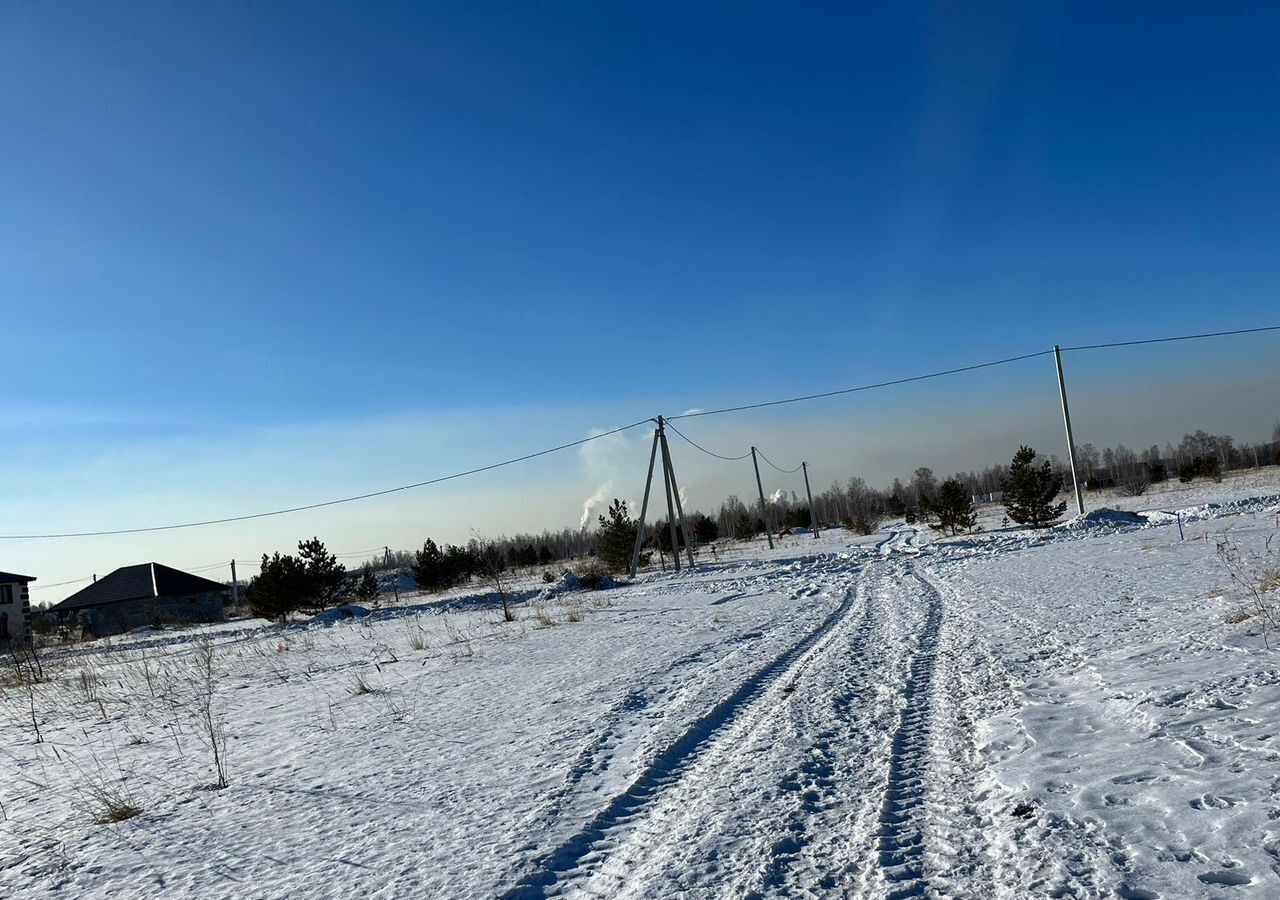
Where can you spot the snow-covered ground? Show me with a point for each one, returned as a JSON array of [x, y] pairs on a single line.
[[1079, 712]]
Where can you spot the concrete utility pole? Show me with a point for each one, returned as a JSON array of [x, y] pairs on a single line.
[[813, 514], [1066, 418], [671, 512], [764, 510], [235, 586], [675, 490], [644, 506]]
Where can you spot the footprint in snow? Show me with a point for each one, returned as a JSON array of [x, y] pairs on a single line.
[[1211, 801], [1226, 876]]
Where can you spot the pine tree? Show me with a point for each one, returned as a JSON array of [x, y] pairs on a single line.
[[617, 539], [1029, 490], [279, 588], [953, 507], [705, 529], [429, 569], [326, 577], [366, 586]]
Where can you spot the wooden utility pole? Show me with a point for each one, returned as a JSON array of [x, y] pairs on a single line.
[[671, 512], [813, 514], [235, 586], [764, 511], [1066, 418]]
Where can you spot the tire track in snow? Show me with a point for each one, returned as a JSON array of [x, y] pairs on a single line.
[[669, 764], [901, 839]]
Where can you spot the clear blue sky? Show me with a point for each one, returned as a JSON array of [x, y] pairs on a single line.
[[258, 219]]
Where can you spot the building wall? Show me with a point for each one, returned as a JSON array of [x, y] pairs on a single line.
[[16, 615], [115, 618]]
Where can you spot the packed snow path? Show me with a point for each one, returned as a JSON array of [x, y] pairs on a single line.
[[844, 765]]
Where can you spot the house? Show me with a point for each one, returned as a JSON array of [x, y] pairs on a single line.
[[145, 594], [15, 608]]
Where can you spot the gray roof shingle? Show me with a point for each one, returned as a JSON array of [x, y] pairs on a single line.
[[138, 582]]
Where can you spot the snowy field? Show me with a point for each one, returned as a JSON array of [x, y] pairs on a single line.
[[1080, 712]]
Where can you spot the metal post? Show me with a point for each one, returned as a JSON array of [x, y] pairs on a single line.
[[675, 489], [813, 513], [235, 586], [644, 507], [671, 513], [1066, 418], [764, 510]]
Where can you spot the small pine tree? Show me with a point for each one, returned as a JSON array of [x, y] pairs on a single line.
[[279, 588], [429, 569], [365, 588], [326, 577], [1029, 490], [953, 507], [705, 529], [617, 539]]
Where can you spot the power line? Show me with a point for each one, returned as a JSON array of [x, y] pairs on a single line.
[[863, 387], [293, 509], [689, 415], [760, 453], [1184, 337], [698, 446]]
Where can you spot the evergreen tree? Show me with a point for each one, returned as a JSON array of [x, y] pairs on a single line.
[[1029, 490], [545, 555], [365, 588], [279, 588], [953, 507], [705, 529], [326, 577], [617, 538], [461, 564], [429, 569]]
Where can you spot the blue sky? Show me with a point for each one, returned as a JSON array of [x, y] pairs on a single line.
[[266, 253]]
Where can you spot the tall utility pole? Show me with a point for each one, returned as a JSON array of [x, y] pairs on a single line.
[[235, 586], [671, 513], [1066, 418], [764, 510], [675, 490], [813, 514], [644, 507]]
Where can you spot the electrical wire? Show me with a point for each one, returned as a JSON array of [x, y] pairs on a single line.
[[1166, 340], [760, 453], [691, 443], [688, 415], [293, 509], [863, 387]]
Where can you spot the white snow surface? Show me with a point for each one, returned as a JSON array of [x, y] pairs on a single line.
[[1072, 712]]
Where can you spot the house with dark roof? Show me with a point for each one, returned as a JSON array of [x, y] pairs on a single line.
[[15, 608], [145, 594]]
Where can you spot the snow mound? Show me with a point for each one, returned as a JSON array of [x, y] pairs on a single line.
[[572, 581], [1106, 519], [343, 613]]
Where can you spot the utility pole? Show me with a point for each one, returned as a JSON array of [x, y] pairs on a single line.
[[764, 511], [671, 513], [813, 514], [675, 489], [235, 586], [644, 508], [386, 564], [1066, 418]]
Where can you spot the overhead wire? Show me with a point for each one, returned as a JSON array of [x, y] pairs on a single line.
[[309, 506], [760, 453], [688, 415], [688, 440]]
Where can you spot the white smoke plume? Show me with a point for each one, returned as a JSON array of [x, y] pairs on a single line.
[[775, 496], [602, 495]]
